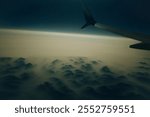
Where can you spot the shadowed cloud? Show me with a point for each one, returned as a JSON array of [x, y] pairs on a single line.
[[70, 78]]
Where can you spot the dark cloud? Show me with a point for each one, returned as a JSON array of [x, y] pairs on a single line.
[[94, 85], [5, 59], [67, 67], [95, 62], [54, 62], [62, 87], [86, 67], [27, 76], [76, 63], [140, 74], [106, 69], [89, 93], [51, 71], [144, 67], [143, 77], [107, 78], [10, 87], [116, 91], [108, 92], [29, 66], [11, 82], [50, 91], [63, 79], [68, 73], [13, 75], [143, 63]]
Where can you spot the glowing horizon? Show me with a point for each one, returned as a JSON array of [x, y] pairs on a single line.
[[59, 33]]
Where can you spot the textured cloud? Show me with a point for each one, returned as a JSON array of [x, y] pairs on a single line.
[[55, 90], [144, 66], [71, 78], [13, 74]]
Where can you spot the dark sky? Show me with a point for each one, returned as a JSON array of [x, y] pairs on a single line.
[[67, 16]]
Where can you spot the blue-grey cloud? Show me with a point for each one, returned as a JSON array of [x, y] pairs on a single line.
[[13, 74], [64, 79]]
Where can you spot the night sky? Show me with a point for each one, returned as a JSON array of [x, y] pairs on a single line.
[[67, 15]]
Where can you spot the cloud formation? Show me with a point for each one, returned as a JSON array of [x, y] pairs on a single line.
[[72, 78]]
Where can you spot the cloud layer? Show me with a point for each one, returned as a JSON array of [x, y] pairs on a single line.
[[71, 78]]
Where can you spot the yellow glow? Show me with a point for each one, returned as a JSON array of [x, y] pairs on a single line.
[[55, 33], [22, 43]]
